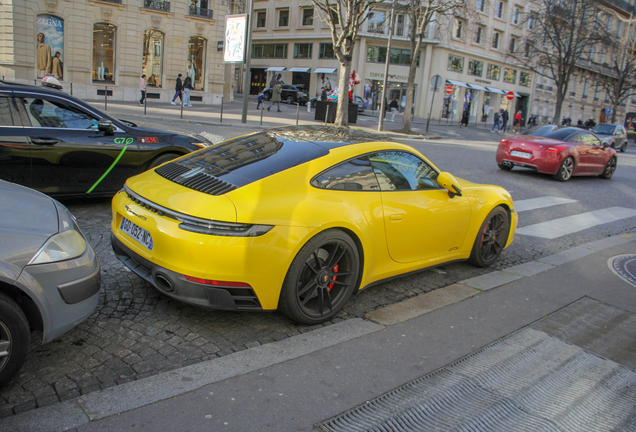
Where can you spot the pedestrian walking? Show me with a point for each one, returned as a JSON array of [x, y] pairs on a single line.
[[261, 99], [465, 117], [504, 120], [142, 88], [323, 94], [178, 88], [187, 86], [394, 108], [517, 121], [276, 92], [496, 124]]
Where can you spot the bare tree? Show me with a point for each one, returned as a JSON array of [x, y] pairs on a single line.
[[424, 15], [620, 80], [559, 32], [344, 18]]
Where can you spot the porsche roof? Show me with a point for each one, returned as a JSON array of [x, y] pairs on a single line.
[[236, 162]]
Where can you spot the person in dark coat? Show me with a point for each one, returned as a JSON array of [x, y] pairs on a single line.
[[465, 117], [178, 88], [504, 120], [323, 94]]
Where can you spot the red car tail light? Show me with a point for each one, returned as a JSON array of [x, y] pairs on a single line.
[[556, 149], [217, 283], [504, 141]]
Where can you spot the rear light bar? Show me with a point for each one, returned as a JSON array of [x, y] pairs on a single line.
[[216, 282]]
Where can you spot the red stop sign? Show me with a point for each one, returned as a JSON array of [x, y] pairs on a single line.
[[449, 89], [510, 95]]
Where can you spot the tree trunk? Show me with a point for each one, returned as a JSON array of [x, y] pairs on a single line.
[[342, 114], [559, 105], [410, 91]]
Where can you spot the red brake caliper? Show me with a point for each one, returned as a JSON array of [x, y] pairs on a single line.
[[481, 244], [333, 278]]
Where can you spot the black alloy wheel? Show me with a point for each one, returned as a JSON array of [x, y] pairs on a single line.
[[321, 278], [14, 338], [610, 168], [290, 100], [491, 238], [565, 170]]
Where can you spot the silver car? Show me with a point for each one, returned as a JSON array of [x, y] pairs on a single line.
[[49, 274]]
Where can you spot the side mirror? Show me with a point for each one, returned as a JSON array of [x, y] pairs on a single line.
[[450, 183], [106, 126]]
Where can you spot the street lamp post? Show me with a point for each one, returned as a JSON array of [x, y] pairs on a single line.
[[248, 55], [386, 71]]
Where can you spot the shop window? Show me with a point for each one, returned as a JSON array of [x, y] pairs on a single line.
[[326, 51], [475, 67], [525, 79], [269, 50], [308, 16], [195, 68], [152, 61], [455, 63], [302, 50], [510, 76], [104, 39], [50, 46], [399, 56], [493, 72]]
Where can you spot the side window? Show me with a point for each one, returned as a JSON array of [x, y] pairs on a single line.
[[592, 140], [353, 175], [54, 114], [403, 171], [6, 112], [580, 138]]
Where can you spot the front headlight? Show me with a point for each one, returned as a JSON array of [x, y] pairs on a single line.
[[66, 245]]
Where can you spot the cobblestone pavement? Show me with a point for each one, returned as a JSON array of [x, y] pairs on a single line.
[[136, 332]]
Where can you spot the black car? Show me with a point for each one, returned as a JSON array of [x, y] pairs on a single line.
[[290, 94], [59, 145]]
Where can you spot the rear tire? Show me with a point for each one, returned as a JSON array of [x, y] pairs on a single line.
[[610, 168], [565, 170], [162, 159], [290, 100], [491, 238], [14, 338], [321, 278]]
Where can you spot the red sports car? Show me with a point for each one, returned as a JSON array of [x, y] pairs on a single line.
[[560, 151]]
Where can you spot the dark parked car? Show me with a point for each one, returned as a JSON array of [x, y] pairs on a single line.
[[49, 274], [359, 102], [613, 135], [59, 145], [290, 94]]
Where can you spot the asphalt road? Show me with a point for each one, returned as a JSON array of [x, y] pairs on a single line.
[[135, 332]]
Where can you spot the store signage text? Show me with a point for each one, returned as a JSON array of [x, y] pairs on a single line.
[[391, 76], [50, 22]]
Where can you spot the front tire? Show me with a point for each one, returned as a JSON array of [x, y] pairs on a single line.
[[610, 168], [321, 278], [565, 170], [491, 238], [290, 100], [14, 338]]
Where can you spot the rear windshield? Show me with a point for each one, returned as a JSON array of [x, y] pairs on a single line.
[[552, 131]]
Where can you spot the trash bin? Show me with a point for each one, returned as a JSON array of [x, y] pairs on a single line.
[[321, 111]]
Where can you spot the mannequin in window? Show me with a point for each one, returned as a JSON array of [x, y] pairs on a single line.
[[191, 71], [43, 54]]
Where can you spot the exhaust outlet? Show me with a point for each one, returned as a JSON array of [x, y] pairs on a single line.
[[163, 283]]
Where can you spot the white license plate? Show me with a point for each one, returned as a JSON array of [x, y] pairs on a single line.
[[142, 236], [521, 154]]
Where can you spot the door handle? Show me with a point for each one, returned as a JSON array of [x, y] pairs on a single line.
[[396, 217], [44, 141]]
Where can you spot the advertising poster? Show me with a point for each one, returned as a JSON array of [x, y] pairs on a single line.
[[49, 46], [235, 38]]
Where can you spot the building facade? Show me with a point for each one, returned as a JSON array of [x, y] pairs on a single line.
[[96, 46]]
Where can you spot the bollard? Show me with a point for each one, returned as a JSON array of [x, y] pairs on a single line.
[[326, 115], [105, 98], [309, 106], [297, 111], [145, 101], [221, 116], [35, 82], [182, 109], [71, 89], [262, 110]]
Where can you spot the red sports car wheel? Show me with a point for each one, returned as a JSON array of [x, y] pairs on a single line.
[[565, 170]]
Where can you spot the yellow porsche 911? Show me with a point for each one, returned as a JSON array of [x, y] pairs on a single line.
[[300, 218]]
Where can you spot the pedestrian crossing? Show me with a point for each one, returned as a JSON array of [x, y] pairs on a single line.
[[559, 227]]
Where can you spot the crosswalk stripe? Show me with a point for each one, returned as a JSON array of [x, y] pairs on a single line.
[[571, 224], [541, 202]]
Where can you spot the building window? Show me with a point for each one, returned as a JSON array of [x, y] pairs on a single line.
[[376, 22], [607, 98], [597, 91], [283, 18], [513, 44], [50, 45], [269, 50], [585, 84], [302, 50], [399, 56], [499, 9], [400, 25], [529, 47], [261, 19], [516, 15], [104, 36], [530, 22], [619, 30], [495, 40], [457, 28], [152, 61], [480, 5], [326, 51], [493, 72], [196, 62], [335, 18], [455, 63], [478, 34], [308, 16], [525, 79], [609, 24], [510, 76], [475, 67]]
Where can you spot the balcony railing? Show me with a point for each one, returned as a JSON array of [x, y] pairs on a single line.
[[112, 1], [160, 5], [399, 30], [375, 28], [200, 12]]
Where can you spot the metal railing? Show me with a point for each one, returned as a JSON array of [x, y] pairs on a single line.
[[160, 5], [201, 12]]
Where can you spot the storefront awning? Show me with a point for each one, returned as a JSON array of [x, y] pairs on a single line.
[[457, 83], [476, 86], [299, 69], [324, 70], [275, 69], [495, 90]]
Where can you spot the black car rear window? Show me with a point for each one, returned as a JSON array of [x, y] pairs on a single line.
[[552, 131]]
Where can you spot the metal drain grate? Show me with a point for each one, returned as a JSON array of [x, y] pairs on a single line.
[[625, 265], [528, 381]]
